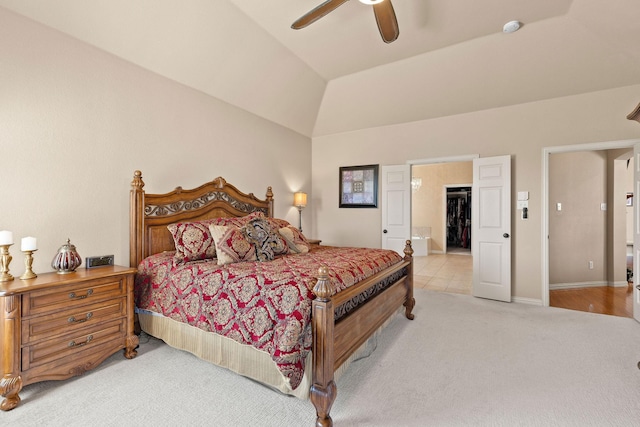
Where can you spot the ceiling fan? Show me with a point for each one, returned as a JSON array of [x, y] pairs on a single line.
[[382, 9]]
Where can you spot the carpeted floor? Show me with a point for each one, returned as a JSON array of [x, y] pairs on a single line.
[[463, 361]]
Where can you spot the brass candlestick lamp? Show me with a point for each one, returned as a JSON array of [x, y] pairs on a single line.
[[5, 260], [28, 247], [6, 240], [300, 201]]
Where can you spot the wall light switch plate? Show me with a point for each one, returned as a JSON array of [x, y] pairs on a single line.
[[603, 206], [99, 261], [523, 204]]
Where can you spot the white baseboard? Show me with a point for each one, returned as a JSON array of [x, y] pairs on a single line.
[[530, 301], [554, 286], [620, 284]]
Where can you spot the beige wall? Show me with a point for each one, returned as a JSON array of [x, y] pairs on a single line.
[[426, 203], [521, 131], [76, 122], [581, 232], [577, 232]]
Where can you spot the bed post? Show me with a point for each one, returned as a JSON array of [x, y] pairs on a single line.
[[136, 217], [270, 201], [410, 301], [323, 390]]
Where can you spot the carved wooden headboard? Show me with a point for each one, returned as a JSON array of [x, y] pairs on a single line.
[[149, 214]]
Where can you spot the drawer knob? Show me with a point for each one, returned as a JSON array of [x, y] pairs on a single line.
[[75, 344], [72, 319], [73, 295]]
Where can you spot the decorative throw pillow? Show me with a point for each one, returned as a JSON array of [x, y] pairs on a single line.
[[192, 241], [268, 244], [295, 240], [231, 245], [228, 221], [277, 223]]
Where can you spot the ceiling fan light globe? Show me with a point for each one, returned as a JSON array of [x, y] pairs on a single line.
[[371, 1]]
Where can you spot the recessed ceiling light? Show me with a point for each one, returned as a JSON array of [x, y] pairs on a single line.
[[371, 1], [511, 27]]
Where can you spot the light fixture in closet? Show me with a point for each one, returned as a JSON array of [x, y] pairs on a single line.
[[416, 183]]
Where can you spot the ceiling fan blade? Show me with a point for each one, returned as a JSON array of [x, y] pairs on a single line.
[[387, 22], [317, 13]]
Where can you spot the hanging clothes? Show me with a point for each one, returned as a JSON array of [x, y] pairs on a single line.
[[459, 217]]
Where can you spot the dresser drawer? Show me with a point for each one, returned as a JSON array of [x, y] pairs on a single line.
[[69, 345], [66, 321], [80, 363], [75, 295]]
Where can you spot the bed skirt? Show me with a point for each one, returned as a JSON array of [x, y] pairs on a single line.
[[241, 358]]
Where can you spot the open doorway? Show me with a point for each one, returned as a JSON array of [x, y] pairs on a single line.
[[437, 264], [588, 233]]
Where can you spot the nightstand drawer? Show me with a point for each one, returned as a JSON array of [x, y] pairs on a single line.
[[63, 322], [67, 346], [56, 299]]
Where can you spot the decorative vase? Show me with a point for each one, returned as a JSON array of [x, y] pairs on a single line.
[[67, 259]]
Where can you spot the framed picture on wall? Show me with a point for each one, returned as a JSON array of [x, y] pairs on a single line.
[[629, 199], [359, 186]]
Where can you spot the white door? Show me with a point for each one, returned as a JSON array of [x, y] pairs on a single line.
[[636, 232], [491, 228], [396, 206]]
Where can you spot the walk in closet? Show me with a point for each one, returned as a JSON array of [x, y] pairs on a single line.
[[458, 219]]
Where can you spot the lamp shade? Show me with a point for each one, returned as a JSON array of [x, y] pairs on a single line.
[[300, 199]]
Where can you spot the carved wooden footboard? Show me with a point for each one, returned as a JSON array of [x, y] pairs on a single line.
[[341, 323], [338, 329]]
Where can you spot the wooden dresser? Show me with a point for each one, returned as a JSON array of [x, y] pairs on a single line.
[[57, 326]]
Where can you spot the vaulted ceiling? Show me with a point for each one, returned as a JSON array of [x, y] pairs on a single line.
[[337, 75]]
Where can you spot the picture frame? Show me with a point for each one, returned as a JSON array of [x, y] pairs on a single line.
[[629, 199], [358, 186]]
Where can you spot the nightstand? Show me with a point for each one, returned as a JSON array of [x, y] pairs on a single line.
[[57, 326]]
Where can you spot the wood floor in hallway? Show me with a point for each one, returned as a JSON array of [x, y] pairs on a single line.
[[616, 301]]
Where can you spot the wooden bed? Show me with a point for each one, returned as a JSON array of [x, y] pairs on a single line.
[[333, 341]]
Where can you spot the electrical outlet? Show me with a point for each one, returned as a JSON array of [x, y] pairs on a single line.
[[99, 261]]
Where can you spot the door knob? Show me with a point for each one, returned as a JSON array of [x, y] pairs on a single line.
[[505, 235], [384, 231]]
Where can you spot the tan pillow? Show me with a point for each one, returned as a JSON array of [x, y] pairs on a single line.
[[231, 245], [295, 240]]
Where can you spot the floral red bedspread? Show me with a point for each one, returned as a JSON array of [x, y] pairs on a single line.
[[263, 304]]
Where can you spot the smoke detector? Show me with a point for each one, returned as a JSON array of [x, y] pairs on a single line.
[[511, 27]]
